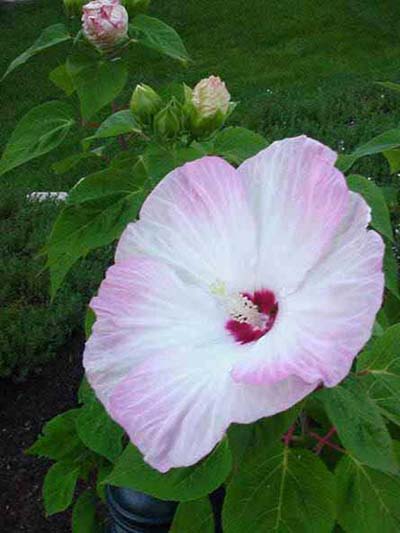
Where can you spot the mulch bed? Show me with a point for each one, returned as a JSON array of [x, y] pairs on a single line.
[[24, 408]]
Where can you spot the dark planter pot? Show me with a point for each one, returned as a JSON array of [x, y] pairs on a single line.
[[135, 512]]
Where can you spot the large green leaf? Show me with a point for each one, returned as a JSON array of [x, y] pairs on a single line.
[[180, 484], [41, 130], [194, 517], [98, 209], [59, 486], [269, 431], [381, 363], [51, 36], [381, 143], [159, 161], [157, 35], [97, 80], [282, 490], [359, 424], [84, 514], [367, 500], [98, 431], [59, 439], [374, 197], [237, 144], [119, 123]]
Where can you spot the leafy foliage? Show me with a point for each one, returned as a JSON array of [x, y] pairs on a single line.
[[181, 484], [195, 516]]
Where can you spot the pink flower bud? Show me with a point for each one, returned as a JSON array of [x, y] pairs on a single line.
[[105, 23], [211, 96]]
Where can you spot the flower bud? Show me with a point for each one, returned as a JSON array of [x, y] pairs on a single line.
[[145, 103], [134, 7], [167, 123], [105, 23], [210, 102], [73, 8]]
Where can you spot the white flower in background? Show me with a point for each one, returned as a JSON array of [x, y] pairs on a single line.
[[236, 294], [105, 23]]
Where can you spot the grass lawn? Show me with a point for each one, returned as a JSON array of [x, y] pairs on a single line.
[[304, 66]]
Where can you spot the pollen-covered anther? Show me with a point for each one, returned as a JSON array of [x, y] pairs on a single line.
[[243, 310]]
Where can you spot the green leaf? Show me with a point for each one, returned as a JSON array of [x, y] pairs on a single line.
[[158, 36], [359, 424], [159, 161], [98, 209], [282, 490], [68, 163], [119, 123], [97, 80], [98, 431], [41, 130], [85, 391], [374, 197], [180, 484], [389, 85], [243, 437], [393, 158], [382, 363], [391, 270], [84, 514], [90, 319], [367, 500], [51, 36], [194, 517], [238, 144], [59, 487], [381, 143], [61, 79], [59, 439]]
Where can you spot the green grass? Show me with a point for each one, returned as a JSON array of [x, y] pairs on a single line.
[[304, 66]]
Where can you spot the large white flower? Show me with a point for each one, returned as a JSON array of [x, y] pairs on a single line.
[[235, 295]]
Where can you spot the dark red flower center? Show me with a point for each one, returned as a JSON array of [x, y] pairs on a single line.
[[252, 315]]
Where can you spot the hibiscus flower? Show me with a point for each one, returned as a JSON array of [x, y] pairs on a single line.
[[236, 294]]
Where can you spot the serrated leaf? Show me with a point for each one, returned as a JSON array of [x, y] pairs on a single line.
[[359, 424], [374, 197], [41, 130], [155, 34], [59, 439], [62, 79], [194, 517], [51, 36], [84, 514], [381, 143], [59, 486], [98, 209], [238, 144], [367, 500], [119, 123], [280, 489], [97, 80], [98, 431], [180, 484], [382, 363], [391, 270]]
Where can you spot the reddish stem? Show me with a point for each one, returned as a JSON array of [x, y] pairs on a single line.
[[287, 438], [325, 441]]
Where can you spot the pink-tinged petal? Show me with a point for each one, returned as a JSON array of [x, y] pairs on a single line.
[[299, 199], [198, 221], [176, 407], [142, 306], [327, 321]]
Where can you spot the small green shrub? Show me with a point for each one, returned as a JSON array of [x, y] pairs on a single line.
[[32, 328]]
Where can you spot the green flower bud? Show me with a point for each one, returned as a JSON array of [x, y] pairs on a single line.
[[167, 122], [134, 7], [73, 8], [145, 103]]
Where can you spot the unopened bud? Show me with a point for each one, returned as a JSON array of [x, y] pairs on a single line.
[[134, 7], [145, 103], [167, 123], [105, 23], [210, 102]]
